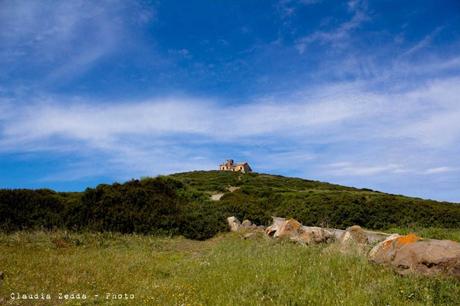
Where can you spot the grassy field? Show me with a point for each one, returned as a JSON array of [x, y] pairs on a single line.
[[225, 270]]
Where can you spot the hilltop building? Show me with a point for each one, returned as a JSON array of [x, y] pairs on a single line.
[[229, 165]]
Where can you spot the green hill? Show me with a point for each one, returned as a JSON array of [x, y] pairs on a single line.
[[220, 180], [180, 204], [316, 203]]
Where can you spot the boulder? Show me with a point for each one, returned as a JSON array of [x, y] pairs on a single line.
[[354, 241], [429, 257], [233, 223], [337, 233], [405, 253], [383, 251], [354, 234], [272, 229], [2, 276], [313, 234], [288, 229], [294, 230], [410, 254], [248, 225]]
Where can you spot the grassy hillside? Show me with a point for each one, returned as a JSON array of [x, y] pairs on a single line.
[[316, 203], [180, 204], [220, 180], [225, 270], [96, 243]]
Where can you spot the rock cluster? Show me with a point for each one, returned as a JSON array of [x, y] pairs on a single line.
[[410, 253], [293, 230], [236, 226], [405, 253]]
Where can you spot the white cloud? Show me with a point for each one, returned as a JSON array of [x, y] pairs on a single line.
[[433, 114], [377, 133], [97, 122], [427, 114], [438, 170], [344, 131]]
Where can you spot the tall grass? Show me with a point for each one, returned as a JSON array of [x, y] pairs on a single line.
[[226, 270]]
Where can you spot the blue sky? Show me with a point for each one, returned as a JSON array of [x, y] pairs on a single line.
[[360, 93]]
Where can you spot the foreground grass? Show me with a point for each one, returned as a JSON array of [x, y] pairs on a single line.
[[226, 270]]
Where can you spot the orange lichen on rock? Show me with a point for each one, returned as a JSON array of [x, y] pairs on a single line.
[[398, 241], [407, 239]]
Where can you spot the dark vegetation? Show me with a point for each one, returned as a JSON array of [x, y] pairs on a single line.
[[179, 205]]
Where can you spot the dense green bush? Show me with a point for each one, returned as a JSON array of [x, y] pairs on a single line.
[[137, 206], [151, 206], [202, 220], [161, 205], [23, 209], [179, 204], [376, 211], [316, 203]]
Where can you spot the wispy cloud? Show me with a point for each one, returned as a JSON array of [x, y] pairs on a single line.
[[423, 43], [289, 7], [64, 39], [339, 34], [439, 170]]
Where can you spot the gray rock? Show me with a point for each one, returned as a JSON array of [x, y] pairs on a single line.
[[354, 234], [294, 230], [217, 196], [233, 223], [313, 234], [277, 223]]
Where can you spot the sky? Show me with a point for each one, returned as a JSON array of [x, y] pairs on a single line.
[[359, 93]]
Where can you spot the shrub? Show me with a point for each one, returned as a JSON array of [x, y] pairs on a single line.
[[179, 204]]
